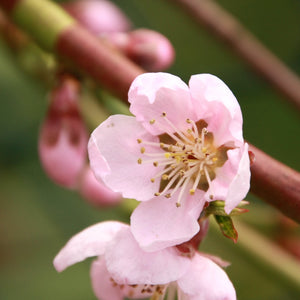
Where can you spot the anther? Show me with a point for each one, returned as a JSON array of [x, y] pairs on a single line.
[[139, 141], [165, 177], [204, 149], [178, 204], [211, 197], [192, 191], [167, 155], [152, 121], [214, 159], [188, 121], [164, 114], [157, 194], [168, 195], [143, 150], [152, 179], [139, 161], [155, 163]]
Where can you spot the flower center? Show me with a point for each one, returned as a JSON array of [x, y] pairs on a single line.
[[187, 159]]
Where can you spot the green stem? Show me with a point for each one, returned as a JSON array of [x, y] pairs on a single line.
[[43, 20]]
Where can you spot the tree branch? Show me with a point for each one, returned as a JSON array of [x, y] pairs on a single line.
[[224, 26], [272, 180]]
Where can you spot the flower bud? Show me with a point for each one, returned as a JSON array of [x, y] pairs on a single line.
[[95, 192], [98, 16], [150, 49], [63, 136]]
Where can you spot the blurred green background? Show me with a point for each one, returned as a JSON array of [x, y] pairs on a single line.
[[37, 217]]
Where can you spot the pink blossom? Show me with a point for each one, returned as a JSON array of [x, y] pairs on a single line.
[[63, 136], [123, 269], [183, 147]]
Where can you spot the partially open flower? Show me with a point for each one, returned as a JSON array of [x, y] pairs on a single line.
[[183, 147], [63, 136], [123, 269]]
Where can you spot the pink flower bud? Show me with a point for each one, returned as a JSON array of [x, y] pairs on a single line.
[[150, 49], [95, 192], [63, 136], [98, 16]]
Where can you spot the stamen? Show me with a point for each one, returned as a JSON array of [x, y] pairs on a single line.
[[209, 182], [193, 189]]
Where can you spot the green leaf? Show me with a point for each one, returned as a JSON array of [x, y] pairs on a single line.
[[226, 225]]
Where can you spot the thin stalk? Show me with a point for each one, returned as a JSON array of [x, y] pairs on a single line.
[[224, 26]]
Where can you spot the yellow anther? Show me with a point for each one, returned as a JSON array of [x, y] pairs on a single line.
[[168, 196], [167, 155], [214, 159], [192, 191], [143, 150], [139, 141], [162, 145], [165, 177], [152, 179], [178, 204], [155, 163], [189, 130], [152, 121], [178, 159], [188, 121], [157, 194], [204, 149], [139, 161]]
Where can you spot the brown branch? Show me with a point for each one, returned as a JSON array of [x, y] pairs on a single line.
[[271, 180], [276, 183], [245, 45]]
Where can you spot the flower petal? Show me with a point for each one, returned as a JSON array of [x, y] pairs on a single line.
[[211, 93], [240, 184], [89, 242], [159, 223], [151, 94], [206, 281], [129, 264], [114, 153], [104, 288]]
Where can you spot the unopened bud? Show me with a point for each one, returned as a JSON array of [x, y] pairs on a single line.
[[63, 136], [98, 16]]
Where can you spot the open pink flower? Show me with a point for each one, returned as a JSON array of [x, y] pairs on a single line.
[[123, 269], [183, 147]]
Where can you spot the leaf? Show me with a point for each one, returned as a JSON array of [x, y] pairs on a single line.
[[227, 228]]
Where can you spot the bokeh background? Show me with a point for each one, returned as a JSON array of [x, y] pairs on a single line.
[[37, 217]]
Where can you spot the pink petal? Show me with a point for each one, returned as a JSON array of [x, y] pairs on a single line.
[[95, 192], [159, 223], [207, 89], [104, 288], [151, 94], [129, 264], [240, 184], [89, 242], [114, 153], [206, 281]]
